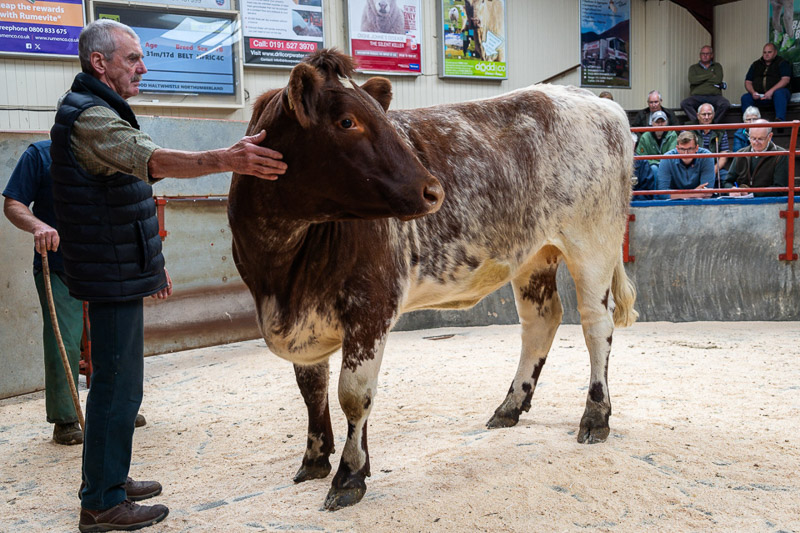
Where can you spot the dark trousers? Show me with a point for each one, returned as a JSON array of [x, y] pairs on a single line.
[[114, 400], [720, 103], [780, 101]]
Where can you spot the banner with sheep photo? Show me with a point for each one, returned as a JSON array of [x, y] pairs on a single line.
[[385, 36], [473, 41], [605, 35]]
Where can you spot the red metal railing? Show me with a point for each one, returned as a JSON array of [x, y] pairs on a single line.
[[789, 214]]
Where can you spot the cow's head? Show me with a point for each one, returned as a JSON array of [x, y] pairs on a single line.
[[345, 158]]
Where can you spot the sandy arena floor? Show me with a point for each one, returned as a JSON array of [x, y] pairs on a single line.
[[704, 437]]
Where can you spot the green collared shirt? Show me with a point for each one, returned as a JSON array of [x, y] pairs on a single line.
[[104, 143]]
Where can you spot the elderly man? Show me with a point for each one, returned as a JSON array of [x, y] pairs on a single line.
[[657, 142], [686, 173], [102, 169], [759, 171], [644, 117], [767, 82], [715, 141], [705, 86]]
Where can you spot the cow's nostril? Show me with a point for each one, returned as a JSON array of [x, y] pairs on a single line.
[[433, 194]]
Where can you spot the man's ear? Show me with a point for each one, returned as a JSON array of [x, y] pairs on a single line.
[[98, 61], [302, 94], [380, 89]]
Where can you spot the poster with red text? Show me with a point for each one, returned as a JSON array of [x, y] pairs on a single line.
[[385, 35], [280, 33]]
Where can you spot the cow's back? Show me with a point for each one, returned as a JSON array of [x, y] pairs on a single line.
[[519, 171]]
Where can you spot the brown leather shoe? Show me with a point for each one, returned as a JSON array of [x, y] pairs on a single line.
[[126, 516], [135, 490], [68, 434], [140, 421], [141, 490]]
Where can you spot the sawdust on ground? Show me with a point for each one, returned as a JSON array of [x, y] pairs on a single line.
[[703, 438]]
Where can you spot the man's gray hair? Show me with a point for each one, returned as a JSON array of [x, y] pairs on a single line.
[[99, 37], [651, 93], [762, 121], [751, 111], [709, 105]]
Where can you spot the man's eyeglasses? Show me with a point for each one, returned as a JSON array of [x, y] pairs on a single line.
[[759, 140], [686, 149]]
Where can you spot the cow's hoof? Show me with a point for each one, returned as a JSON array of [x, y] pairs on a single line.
[[317, 469], [502, 420], [587, 435], [340, 498]]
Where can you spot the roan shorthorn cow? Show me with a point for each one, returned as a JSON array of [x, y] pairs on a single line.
[[359, 231]]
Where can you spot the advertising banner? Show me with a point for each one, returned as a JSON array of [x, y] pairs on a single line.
[[280, 33], [474, 43], [605, 37], [386, 35], [784, 32], [40, 27], [206, 4], [184, 53]]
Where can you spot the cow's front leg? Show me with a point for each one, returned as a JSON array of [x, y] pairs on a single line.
[[357, 388], [313, 383]]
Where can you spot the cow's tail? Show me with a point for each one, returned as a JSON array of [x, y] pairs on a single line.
[[624, 296]]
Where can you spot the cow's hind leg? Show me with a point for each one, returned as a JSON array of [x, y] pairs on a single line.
[[357, 388], [313, 383], [539, 309], [593, 277]]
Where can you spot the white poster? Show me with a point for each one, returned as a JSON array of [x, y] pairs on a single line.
[[280, 33]]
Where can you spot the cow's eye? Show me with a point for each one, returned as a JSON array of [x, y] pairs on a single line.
[[346, 123]]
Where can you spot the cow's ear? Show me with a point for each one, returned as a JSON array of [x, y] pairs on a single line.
[[302, 94], [380, 89]]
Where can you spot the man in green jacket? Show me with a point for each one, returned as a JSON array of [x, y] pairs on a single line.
[[657, 142], [706, 85]]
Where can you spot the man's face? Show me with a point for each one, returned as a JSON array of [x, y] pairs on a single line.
[[705, 115], [659, 123], [768, 53], [654, 103], [759, 139], [689, 147], [125, 69], [706, 55]]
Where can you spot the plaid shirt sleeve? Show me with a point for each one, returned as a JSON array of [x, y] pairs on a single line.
[[104, 143]]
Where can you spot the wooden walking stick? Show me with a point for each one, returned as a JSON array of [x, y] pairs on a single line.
[[76, 401]]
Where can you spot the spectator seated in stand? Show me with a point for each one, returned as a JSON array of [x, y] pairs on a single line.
[[642, 118], [764, 171], [607, 95], [644, 179], [741, 137], [689, 173], [657, 142], [705, 86], [767, 82], [715, 141]]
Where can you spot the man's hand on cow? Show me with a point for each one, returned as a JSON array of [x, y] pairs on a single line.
[[248, 157], [166, 292], [45, 238]]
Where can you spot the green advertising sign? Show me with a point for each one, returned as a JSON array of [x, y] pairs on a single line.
[[473, 42]]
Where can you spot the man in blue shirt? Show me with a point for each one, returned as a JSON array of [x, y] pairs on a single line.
[[30, 183], [688, 173]]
